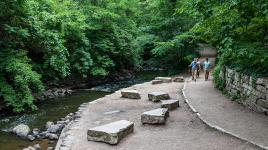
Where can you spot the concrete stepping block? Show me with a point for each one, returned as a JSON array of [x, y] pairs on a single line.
[[164, 79], [131, 94], [157, 82], [157, 96], [156, 116], [178, 79], [170, 104], [111, 133]]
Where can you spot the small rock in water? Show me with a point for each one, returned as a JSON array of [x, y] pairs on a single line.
[[156, 116], [37, 147], [50, 148], [48, 124], [111, 133], [21, 130], [51, 142], [53, 136], [157, 96], [31, 148], [170, 104], [131, 94], [35, 131], [30, 137]]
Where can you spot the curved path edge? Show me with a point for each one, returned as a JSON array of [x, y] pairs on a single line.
[[211, 125]]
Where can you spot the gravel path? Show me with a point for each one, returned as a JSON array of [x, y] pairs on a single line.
[[219, 110], [183, 131]]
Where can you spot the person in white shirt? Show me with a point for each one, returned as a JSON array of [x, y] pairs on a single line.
[[206, 68]]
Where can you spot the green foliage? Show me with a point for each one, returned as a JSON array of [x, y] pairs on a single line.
[[57, 38], [165, 40], [237, 28], [18, 80], [54, 39], [218, 79]]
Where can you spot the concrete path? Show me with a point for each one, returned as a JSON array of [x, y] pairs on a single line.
[[183, 130], [220, 111]]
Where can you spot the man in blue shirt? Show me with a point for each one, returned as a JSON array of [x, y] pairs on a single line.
[[194, 67]]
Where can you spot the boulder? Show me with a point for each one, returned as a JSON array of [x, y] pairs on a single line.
[[156, 116], [21, 130], [111, 133], [157, 96], [37, 147], [132, 94], [53, 128], [178, 79], [50, 148], [52, 136], [170, 104], [157, 82], [49, 123], [164, 79]]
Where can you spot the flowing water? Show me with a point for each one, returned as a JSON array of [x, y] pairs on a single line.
[[53, 110]]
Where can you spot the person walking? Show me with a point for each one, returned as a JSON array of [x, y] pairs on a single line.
[[194, 67], [206, 68], [198, 67]]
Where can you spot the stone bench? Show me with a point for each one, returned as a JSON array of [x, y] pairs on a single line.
[[156, 116], [157, 96], [131, 94], [157, 82], [178, 79], [170, 104], [164, 79], [110, 133]]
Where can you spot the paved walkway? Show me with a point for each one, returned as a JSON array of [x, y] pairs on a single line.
[[219, 110], [183, 130]]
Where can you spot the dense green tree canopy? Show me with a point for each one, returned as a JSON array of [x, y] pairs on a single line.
[[49, 40]]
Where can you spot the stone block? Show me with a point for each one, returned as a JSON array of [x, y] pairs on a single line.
[[131, 94], [157, 82], [156, 116], [170, 104], [164, 79], [111, 133], [178, 79], [157, 96]]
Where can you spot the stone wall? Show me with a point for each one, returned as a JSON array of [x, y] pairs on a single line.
[[247, 90]]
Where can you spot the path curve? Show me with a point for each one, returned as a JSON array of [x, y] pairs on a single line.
[[219, 112]]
